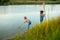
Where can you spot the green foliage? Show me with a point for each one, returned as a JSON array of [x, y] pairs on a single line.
[[14, 2], [4, 2], [47, 30]]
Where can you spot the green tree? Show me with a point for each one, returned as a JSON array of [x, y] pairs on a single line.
[[4, 2]]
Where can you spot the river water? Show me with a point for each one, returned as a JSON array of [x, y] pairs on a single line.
[[11, 17]]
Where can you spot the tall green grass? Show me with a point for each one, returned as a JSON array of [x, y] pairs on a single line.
[[47, 30]]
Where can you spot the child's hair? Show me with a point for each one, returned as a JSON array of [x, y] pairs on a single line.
[[25, 17], [41, 12]]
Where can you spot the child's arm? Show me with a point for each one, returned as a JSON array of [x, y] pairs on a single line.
[[43, 15], [26, 21]]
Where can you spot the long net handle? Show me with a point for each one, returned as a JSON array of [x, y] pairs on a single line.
[[44, 8]]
